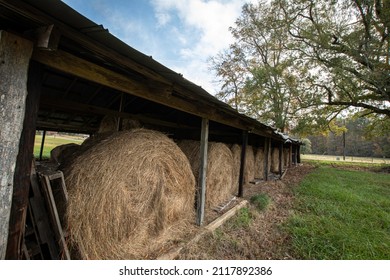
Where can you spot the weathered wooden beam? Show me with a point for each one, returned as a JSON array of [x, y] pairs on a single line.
[[201, 198], [23, 163], [290, 155], [281, 159], [299, 154], [15, 53], [42, 144], [71, 106], [242, 163], [46, 37], [295, 155]]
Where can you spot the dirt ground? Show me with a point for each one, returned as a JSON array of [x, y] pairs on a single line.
[[262, 237]]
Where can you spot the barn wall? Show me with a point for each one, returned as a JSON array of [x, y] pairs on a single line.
[[15, 54]]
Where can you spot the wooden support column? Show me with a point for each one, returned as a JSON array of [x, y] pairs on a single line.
[[23, 164], [267, 152], [15, 53], [281, 159], [296, 155], [42, 144], [290, 156], [201, 193], [299, 154], [121, 105], [242, 163]]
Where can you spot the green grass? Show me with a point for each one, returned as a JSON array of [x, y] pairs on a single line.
[[242, 219], [51, 142], [260, 201], [342, 214]]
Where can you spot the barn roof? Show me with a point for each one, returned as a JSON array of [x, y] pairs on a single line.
[[84, 39]]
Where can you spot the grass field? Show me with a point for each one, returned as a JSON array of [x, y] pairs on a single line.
[[52, 141], [341, 214], [347, 159]]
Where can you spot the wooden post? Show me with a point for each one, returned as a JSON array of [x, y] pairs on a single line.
[[42, 144], [22, 174], [15, 53], [242, 163], [267, 150], [201, 194], [121, 105], [290, 155], [296, 155], [299, 154], [281, 159]]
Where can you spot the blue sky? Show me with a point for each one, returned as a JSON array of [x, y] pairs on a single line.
[[181, 34]]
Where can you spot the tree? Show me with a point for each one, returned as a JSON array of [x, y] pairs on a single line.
[[308, 62], [257, 69], [346, 46]]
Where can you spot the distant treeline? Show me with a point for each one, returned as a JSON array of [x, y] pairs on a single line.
[[357, 144]]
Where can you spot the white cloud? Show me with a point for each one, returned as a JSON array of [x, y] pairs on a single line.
[[208, 22]]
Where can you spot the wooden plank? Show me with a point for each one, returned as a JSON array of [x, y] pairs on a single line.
[[202, 172], [290, 155], [171, 255], [15, 54], [242, 163], [40, 218], [47, 189], [26, 109], [299, 154], [42, 144], [161, 93]]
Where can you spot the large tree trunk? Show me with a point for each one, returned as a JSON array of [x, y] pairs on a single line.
[[15, 54]]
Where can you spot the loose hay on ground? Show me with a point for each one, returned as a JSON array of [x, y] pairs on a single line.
[[128, 195], [219, 170]]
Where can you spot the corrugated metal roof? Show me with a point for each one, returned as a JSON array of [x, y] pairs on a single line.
[[74, 20]]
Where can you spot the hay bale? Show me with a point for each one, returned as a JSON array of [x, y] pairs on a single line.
[[249, 174], [236, 152], [259, 163], [249, 171], [63, 153], [109, 124], [275, 160], [220, 185], [286, 157], [128, 194]]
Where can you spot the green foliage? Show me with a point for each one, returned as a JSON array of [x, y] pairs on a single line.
[[243, 218], [261, 201], [306, 147], [298, 65], [358, 137], [342, 214]]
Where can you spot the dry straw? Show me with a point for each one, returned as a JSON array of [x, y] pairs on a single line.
[[259, 163], [249, 171], [128, 194], [219, 170], [275, 160]]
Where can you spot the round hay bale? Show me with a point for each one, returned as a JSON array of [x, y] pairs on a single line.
[[236, 152], [128, 194], [220, 185], [275, 160], [286, 158], [63, 153], [259, 163], [249, 171], [109, 124]]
